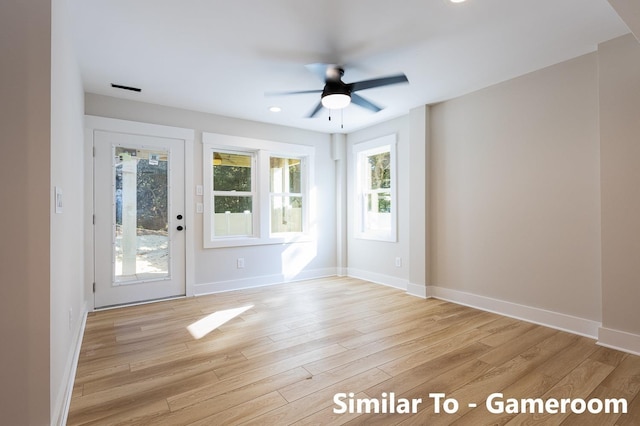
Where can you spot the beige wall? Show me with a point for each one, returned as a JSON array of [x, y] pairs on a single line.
[[25, 73], [619, 63], [516, 191]]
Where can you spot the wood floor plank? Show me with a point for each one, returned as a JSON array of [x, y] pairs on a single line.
[[302, 407], [283, 359], [579, 383]]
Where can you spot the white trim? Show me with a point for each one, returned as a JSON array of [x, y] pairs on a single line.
[[360, 151], [619, 340], [191, 217], [374, 277], [261, 281], [61, 410], [136, 128], [559, 321], [93, 123], [418, 290]]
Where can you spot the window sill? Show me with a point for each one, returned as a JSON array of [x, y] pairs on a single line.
[[249, 241]]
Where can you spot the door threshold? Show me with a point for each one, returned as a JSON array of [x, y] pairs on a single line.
[[143, 302]]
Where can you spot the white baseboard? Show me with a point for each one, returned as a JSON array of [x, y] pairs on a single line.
[[374, 277], [61, 408], [261, 281], [559, 321], [418, 290], [619, 340]]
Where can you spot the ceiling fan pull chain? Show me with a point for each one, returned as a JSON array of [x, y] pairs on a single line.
[[342, 118], [329, 115]]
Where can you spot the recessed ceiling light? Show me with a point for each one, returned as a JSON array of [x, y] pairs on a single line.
[[457, 1], [275, 109]]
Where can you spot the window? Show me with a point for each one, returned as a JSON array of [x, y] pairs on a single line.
[[233, 193], [375, 189], [286, 194], [256, 192]]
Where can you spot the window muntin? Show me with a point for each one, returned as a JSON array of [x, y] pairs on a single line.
[[375, 189], [233, 193], [285, 195]]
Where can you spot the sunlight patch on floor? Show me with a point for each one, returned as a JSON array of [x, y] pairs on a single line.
[[206, 325]]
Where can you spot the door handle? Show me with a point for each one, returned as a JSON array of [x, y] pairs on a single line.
[[180, 228]]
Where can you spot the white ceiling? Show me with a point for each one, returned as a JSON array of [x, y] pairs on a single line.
[[221, 56]]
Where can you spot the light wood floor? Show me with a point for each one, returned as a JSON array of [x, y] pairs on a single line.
[[297, 345]]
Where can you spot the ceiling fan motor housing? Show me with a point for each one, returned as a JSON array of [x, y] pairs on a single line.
[[336, 88]]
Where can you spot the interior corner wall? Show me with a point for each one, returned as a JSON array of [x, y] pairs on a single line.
[[515, 197], [619, 85], [25, 120], [68, 305], [215, 269], [375, 260]]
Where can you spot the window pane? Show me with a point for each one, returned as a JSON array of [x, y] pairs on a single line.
[[378, 211], [141, 249], [285, 175], [232, 216], [232, 204], [231, 172], [286, 214], [380, 170], [379, 202]]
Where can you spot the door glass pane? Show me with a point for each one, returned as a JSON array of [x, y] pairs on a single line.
[[141, 194]]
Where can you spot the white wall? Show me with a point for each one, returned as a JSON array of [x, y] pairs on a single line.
[[215, 269], [516, 192], [67, 237], [375, 260], [25, 113], [619, 64]]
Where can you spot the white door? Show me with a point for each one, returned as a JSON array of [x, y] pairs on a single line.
[[139, 218]]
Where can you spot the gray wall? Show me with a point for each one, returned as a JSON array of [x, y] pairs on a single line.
[[68, 283], [215, 269]]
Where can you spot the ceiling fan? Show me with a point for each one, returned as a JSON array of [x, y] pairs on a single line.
[[337, 95]]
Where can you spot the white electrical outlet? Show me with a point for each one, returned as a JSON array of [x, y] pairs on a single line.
[[199, 208], [240, 262], [70, 318], [398, 262], [199, 190]]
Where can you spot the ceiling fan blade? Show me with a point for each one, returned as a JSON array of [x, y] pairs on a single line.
[[316, 110], [359, 100], [378, 82], [297, 92], [326, 72]]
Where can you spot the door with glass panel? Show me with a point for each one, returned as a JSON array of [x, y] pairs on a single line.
[[139, 218]]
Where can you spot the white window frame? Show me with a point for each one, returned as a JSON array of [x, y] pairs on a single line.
[[360, 152], [263, 150]]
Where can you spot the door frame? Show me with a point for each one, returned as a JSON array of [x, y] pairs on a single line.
[[94, 123]]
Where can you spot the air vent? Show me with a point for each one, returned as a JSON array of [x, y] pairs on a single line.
[[119, 86]]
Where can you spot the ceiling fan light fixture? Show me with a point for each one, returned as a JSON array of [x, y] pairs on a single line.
[[336, 101]]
